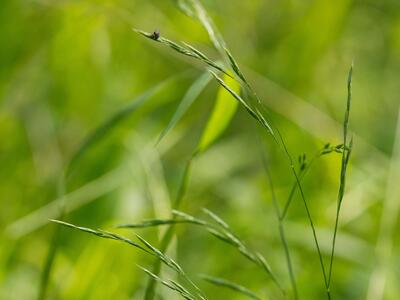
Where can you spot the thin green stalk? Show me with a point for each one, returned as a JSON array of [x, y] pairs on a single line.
[[345, 160], [292, 191], [311, 225], [167, 237], [52, 252], [281, 231]]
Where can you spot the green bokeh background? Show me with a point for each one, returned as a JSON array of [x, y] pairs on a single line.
[[65, 66]]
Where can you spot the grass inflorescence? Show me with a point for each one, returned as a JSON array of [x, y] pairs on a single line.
[[233, 82]]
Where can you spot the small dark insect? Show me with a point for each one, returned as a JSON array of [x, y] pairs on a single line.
[[156, 35]]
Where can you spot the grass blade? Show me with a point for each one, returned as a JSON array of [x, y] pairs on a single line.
[[167, 238], [222, 114], [191, 95]]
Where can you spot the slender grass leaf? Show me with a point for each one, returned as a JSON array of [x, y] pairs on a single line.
[[191, 95], [167, 237], [223, 112]]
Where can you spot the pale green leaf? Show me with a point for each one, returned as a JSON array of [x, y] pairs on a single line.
[[191, 95], [224, 110]]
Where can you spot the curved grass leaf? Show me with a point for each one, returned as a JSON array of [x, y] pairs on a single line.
[[169, 234], [191, 95], [223, 112]]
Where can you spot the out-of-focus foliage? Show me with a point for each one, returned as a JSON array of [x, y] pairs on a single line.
[[66, 66]]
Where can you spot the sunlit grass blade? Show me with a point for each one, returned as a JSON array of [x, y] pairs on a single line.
[[191, 95], [224, 109], [169, 234], [230, 285]]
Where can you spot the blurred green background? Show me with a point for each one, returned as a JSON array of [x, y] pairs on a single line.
[[65, 66]]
